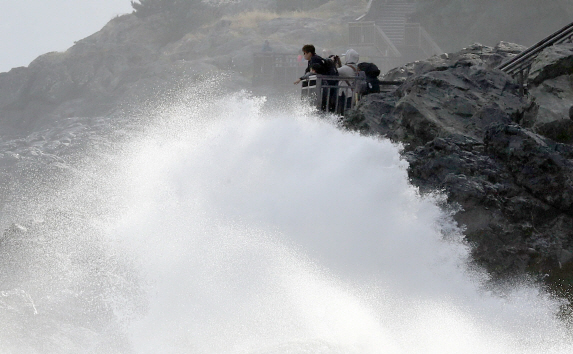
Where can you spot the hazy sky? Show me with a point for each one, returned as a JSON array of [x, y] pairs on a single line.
[[29, 28]]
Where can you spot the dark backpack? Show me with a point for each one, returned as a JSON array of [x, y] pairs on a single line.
[[371, 72], [370, 69], [330, 67]]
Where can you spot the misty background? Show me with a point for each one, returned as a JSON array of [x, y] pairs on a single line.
[[29, 28]]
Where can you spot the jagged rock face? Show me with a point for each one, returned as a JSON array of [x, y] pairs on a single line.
[[553, 62], [466, 131], [454, 94], [127, 62], [476, 54], [456, 101], [551, 84]]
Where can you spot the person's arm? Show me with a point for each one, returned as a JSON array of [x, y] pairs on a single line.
[[304, 77]]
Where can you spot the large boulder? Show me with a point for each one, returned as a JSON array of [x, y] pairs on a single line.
[[451, 95], [467, 131], [553, 62], [550, 83], [476, 54]]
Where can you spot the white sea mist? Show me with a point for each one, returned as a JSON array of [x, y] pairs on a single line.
[[274, 231]]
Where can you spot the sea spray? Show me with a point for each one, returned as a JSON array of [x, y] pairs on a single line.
[[281, 228], [236, 229]]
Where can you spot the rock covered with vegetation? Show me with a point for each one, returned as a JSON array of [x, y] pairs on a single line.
[[162, 46]]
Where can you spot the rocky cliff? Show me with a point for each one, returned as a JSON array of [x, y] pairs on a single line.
[[134, 59], [504, 160]]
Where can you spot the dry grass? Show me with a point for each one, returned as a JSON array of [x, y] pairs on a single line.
[[251, 19], [194, 37]]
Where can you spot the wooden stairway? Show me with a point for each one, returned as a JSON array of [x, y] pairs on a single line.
[[391, 17], [385, 35]]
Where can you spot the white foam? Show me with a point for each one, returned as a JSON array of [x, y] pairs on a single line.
[[260, 231], [278, 232]]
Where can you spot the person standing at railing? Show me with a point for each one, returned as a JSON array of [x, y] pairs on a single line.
[[349, 69], [309, 54], [321, 66]]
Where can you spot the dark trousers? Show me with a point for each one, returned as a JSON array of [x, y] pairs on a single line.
[[329, 96]]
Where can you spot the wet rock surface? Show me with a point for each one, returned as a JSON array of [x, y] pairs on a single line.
[[467, 132]]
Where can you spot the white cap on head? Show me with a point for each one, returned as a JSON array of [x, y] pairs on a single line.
[[351, 56]]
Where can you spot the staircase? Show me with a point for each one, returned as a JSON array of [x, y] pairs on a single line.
[[386, 36], [391, 17]]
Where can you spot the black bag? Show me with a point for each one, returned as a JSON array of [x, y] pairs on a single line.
[[370, 69], [330, 67], [371, 72]]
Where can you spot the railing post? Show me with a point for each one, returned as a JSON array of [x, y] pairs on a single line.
[[318, 102]]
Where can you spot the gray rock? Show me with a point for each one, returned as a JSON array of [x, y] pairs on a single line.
[[460, 121], [553, 98], [553, 62]]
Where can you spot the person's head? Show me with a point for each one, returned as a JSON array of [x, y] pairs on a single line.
[[308, 51], [316, 67], [351, 57], [336, 60]]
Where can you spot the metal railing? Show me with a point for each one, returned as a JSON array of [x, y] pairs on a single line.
[[520, 65], [276, 68], [336, 94], [365, 13]]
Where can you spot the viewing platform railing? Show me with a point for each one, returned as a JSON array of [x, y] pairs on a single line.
[[336, 94], [277, 69]]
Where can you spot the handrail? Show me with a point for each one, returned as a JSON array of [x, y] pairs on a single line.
[[325, 92], [325, 95], [520, 61], [387, 41], [367, 10]]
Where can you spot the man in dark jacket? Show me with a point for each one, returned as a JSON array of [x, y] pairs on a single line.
[[319, 66], [309, 54]]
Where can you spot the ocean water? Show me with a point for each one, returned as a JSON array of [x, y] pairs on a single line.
[[225, 226]]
